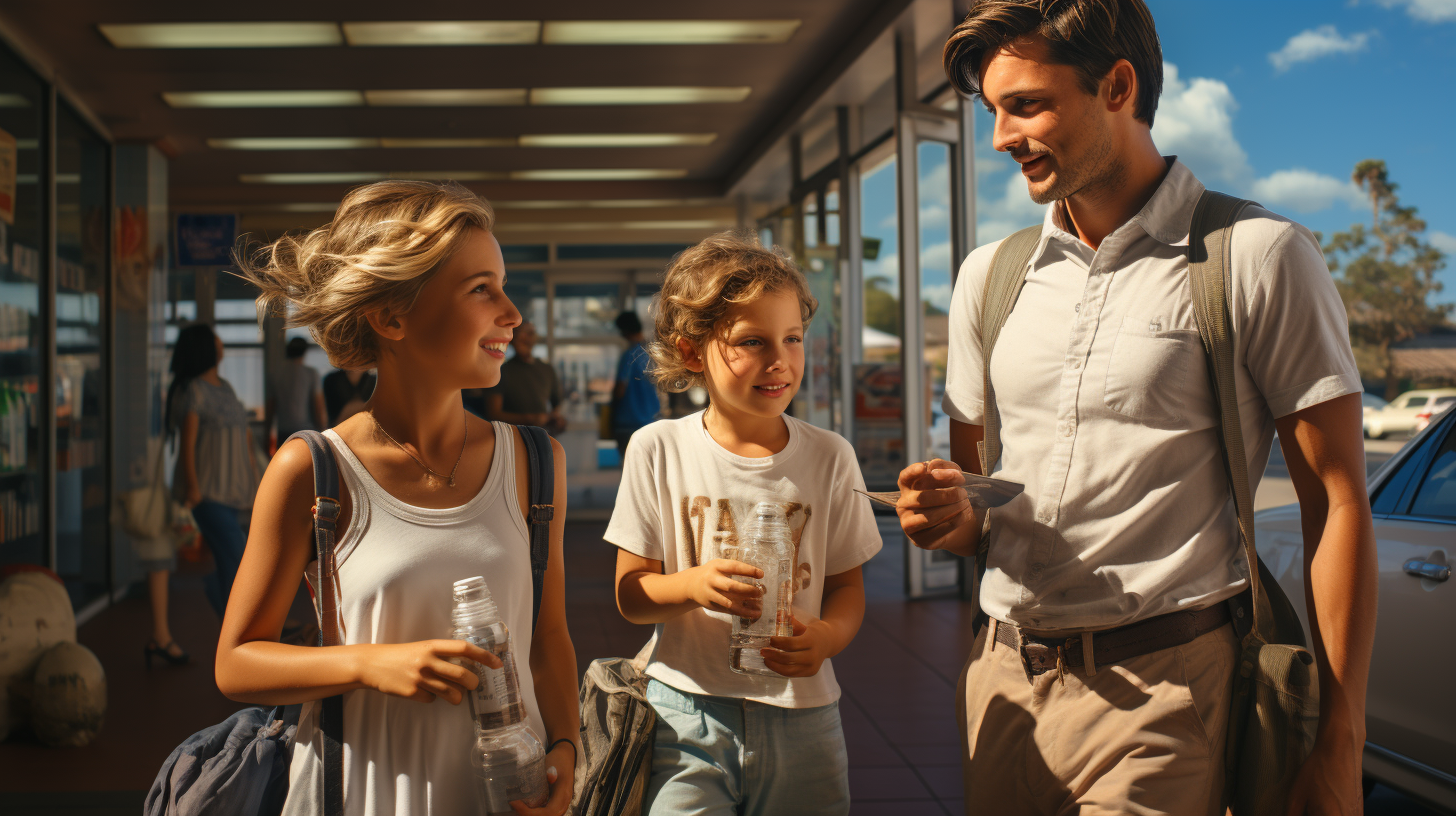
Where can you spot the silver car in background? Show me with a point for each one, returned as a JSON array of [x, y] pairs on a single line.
[[1410, 714]]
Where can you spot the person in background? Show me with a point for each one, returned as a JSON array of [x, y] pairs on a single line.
[[345, 392], [529, 392], [297, 403], [216, 475], [634, 397]]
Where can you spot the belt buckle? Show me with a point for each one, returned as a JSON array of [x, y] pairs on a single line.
[[1037, 658]]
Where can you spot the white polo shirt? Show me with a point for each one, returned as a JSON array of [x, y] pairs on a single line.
[[1108, 417]]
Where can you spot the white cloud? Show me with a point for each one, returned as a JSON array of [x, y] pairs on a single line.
[[1444, 241], [1305, 191], [1429, 11], [1195, 122], [1313, 43]]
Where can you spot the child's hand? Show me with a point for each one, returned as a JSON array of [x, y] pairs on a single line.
[[424, 670], [713, 587], [560, 776], [802, 654]]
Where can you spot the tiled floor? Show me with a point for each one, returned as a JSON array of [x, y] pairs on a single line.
[[898, 678]]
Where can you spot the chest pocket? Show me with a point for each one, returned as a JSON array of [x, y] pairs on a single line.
[[1149, 369]]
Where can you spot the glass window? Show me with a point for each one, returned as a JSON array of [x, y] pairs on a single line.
[[82, 517], [1387, 498], [1415, 402], [935, 283], [587, 309], [879, 433], [601, 252], [818, 399], [22, 263], [1436, 495]]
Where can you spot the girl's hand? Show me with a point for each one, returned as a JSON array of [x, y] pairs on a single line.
[[712, 586], [561, 777], [802, 654], [423, 670]]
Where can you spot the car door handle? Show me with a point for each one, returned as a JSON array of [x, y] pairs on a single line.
[[1425, 569]]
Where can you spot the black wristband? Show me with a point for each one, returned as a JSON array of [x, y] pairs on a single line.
[[553, 745]]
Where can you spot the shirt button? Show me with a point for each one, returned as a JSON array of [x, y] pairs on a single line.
[[1077, 308], [1067, 430], [1076, 364]]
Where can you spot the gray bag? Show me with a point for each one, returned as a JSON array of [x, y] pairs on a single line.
[[617, 728]]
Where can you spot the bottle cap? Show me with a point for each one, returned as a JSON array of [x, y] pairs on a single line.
[[472, 599], [768, 510]]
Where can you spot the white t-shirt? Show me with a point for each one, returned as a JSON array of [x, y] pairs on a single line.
[[683, 497]]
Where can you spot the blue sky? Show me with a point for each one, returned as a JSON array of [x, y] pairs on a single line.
[[1277, 101]]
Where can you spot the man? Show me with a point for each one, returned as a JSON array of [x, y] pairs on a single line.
[[634, 397], [1108, 418], [346, 392], [297, 404], [529, 392]]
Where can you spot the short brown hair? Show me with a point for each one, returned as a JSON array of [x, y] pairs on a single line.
[[1089, 35], [385, 243], [702, 283]]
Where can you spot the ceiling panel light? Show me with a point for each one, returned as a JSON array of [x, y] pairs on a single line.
[[705, 225], [638, 95], [508, 141], [603, 174], [222, 35], [445, 32], [666, 32], [606, 203], [263, 99], [617, 139], [449, 97], [452, 175], [310, 178], [293, 143]]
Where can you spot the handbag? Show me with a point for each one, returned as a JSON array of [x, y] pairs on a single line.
[[240, 766], [618, 729], [1274, 712], [157, 524]]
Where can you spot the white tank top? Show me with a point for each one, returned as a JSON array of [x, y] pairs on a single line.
[[396, 564]]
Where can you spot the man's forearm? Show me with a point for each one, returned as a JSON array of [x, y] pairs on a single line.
[[1340, 587]]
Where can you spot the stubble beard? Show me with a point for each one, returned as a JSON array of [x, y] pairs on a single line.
[[1093, 170]]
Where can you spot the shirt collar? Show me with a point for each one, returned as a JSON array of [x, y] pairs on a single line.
[[1166, 217]]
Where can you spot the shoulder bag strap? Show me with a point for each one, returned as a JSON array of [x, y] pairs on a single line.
[[541, 471], [325, 520], [1003, 286], [1209, 279]]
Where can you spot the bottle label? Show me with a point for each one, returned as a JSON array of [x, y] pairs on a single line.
[[491, 702]]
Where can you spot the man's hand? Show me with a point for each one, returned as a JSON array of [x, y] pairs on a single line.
[[1328, 784], [934, 510], [802, 654]]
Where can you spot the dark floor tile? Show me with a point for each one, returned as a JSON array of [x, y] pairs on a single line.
[[944, 781], [925, 756], [953, 807], [886, 784], [909, 807]]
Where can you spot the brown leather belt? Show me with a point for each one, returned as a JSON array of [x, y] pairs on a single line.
[[1040, 655]]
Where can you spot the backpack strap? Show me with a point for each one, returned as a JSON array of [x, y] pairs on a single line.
[[1210, 275], [541, 473], [326, 509]]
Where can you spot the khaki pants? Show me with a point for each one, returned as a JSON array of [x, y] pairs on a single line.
[[1143, 736]]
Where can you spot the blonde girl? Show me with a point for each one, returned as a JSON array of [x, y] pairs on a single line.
[[408, 280]]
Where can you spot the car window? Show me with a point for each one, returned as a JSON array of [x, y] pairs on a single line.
[[1416, 402], [1387, 499], [1436, 496], [1445, 400]]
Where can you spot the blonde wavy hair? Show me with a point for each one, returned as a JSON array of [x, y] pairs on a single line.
[[385, 242], [701, 284]]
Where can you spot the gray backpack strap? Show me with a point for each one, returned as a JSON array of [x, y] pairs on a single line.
[[1210, 278], [1003, 286]]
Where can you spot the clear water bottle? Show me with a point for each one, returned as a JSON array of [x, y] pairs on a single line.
[[767, 543], [507, 757]]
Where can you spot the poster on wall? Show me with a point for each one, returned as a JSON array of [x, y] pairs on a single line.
[[8, 158], [206, 239]]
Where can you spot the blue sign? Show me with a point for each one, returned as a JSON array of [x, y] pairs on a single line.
[[206, 239]]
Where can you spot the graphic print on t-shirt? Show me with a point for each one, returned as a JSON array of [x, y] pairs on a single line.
[[724, 532]]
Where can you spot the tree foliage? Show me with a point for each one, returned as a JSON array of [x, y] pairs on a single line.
[[1386, 274]]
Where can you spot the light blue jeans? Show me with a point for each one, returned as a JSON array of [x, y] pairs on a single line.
[[717, 756]]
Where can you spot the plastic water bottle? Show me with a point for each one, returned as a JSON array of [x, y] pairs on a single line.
[[507, 757], [768, 544]]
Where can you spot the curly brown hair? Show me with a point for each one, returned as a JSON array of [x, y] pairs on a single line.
[[385, 242], [702, 283]]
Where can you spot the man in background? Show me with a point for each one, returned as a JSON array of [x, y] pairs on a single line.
[[297, 404], [529, 392], [634, 397]]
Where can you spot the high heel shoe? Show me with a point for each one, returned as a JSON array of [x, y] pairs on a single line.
[[165, 652]]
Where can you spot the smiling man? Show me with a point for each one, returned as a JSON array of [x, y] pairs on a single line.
[[1124, 548]]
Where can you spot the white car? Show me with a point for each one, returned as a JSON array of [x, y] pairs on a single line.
[[1400, 416], [1409, 721]]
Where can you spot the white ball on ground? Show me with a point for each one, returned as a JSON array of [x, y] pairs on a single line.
[[68, 704], [35, 614]]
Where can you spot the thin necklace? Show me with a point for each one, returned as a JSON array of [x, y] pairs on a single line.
[[449, 480]]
